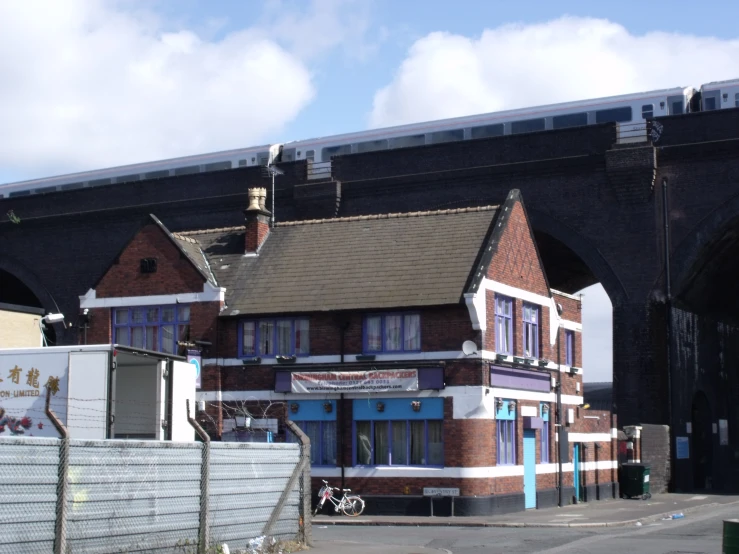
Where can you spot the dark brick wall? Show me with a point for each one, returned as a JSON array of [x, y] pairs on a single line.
[[655, 452]]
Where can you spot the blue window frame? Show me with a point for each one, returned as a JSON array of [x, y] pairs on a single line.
[[506, 442], [530, 330], [416, 442], [569, 348], [156, 328], [503, 324], [274, 337], [399, 332], [322, 435]]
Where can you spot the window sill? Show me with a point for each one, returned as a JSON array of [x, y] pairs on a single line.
[[247, 361], [398, 467], [366, 357]]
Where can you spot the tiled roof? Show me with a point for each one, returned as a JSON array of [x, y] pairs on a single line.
[[364, 262], [190, 248]]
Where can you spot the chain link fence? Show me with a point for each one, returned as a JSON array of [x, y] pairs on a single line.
[[68, 496]]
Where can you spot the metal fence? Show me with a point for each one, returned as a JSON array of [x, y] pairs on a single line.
[[146, 496]]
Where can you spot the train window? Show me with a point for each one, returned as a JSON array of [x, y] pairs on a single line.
[[569, 120], [157, 174], [447, 136], [128, 178], [288, 155], [614, 115], [372, 145], [187, 170], [647, 111], [71, 186], [676, 108], [99, 182], [242, 163], [218, 166], [411, 140], [338, 150], [19, 193], [736, 100], [709, 103], [310, 155], [45, 190], [527, 126], [485, 131], [263, 158]]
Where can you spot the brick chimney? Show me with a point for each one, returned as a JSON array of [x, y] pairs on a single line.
[[257, 221]]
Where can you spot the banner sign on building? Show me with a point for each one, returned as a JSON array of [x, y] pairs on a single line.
[[379, 380], [193, 357]]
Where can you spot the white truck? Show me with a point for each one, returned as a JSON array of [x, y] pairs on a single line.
[[98, 392]]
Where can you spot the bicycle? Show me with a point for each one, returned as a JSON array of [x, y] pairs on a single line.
[[350, 505]]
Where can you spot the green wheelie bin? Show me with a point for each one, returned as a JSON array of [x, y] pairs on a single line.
[[633, 481]]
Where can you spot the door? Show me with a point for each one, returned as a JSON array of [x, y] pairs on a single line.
[[529, 468], [87, 412], [675, 105], [711, 100], [576, 469]]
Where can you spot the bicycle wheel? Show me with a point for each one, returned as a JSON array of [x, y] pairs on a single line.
[[319, 506], [352, 506]]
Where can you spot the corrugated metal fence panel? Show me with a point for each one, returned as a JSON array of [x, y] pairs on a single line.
[[246, 481], [129, 496], [28, 481]]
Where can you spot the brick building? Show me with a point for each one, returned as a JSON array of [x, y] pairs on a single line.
[[354, 328]]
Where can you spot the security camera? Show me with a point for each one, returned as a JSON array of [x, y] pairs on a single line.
[[53, 318]]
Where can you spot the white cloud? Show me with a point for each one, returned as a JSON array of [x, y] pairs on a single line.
[[89, 84], [570, 58]]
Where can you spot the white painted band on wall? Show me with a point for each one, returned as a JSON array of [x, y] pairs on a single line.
[[454, 472], [589, 437], [210, 293]]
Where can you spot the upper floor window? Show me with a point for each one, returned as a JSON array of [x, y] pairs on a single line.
[[392, 333], [569, 348], [530, 330], [503, 324], [155, 328], [399, 442], [275, 337]]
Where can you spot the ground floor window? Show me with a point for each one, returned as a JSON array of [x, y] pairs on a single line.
[[401, 442], [506, 442], [322, 435]]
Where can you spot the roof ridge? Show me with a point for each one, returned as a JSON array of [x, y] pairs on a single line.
[[180, 236], [393, 215], [186, 234]]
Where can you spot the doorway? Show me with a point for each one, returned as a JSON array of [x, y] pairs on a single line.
[[702, 443]]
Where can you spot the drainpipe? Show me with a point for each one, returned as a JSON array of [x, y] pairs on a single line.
[[559, 415], [343, 326], [668, 327]]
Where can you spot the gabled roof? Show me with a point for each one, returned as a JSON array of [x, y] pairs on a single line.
[[191, 250], [366, 262]]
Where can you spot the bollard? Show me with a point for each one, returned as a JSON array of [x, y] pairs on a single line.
[[731, 536]]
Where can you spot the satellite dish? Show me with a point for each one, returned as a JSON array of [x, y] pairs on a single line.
[[469, 348]]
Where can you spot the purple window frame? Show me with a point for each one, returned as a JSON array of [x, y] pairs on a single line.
[[545, 443], [531, 329], [500, 315], [569, 348], [383, 316], [321, 444], [158, 324], [274, 322], [389, 423], [506, 442]]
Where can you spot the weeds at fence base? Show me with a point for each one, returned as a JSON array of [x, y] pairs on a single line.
[[260, 545]]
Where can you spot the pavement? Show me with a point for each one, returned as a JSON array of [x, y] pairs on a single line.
[[604, 513]]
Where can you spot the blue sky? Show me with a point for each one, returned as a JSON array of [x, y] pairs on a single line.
[[95, 83]]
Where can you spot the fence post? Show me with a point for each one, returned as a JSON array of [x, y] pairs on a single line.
[[204, 538], [306, 528], [60, 525]]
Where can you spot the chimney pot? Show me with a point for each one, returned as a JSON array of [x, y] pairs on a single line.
[[254, 200], [262, 199]]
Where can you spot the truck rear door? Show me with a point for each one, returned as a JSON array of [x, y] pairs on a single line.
[[87, 405]]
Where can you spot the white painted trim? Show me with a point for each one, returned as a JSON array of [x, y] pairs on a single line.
[[210, 293], [335, 359], [514, 292], [448, 392], [453, 472], [560, 293], [589, 437], [614, 433], [476, 305]]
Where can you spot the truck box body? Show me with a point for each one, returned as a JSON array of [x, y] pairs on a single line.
[[97, 391]]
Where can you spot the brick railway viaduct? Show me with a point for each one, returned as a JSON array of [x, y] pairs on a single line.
[[598, 213]]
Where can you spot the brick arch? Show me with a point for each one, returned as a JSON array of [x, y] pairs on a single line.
[[30, 279], [584, 249], [710, 247]]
